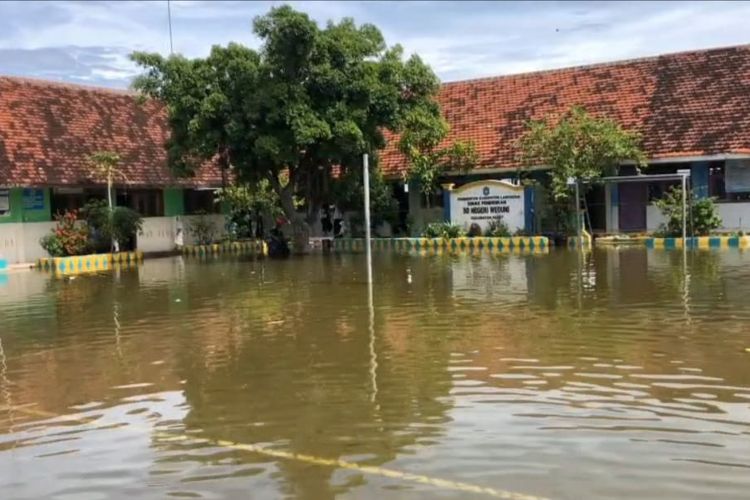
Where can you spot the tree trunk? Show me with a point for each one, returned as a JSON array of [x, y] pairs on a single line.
[[300, 227], [300, 236], [114, 244]]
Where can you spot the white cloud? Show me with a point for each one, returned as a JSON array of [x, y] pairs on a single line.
[[459, 39]]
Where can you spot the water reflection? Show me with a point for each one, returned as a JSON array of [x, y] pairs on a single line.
[[546, 374]]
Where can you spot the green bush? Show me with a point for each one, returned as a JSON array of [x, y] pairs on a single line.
[[474, 230], [96, 214], [702, 217], [202, 228], [126, 224], [68, 237], [52, 244], [247, 204], [442, 230], [121, 224], [497, 229]]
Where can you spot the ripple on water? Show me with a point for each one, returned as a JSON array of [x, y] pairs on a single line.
[[498, 372]]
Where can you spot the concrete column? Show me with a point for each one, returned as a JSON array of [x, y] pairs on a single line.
[[447, 188], [612, 201], [699, 178], [529, 203], [174, 202]]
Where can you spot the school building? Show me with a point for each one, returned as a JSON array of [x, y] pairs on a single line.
[[692, 110], [47, 132]]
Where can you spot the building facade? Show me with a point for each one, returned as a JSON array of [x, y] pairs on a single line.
[[691, 109], [47, 132]]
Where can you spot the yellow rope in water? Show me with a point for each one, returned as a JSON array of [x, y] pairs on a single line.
[[320, 461]]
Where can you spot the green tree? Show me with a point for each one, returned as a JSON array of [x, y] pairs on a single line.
[[248, 202], [119, 224], [579, 146], [702, 214], [349, 195], [421, 143], [309, 100], [106, 165]]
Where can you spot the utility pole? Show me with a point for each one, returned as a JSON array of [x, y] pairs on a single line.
[[366, 177], [684, 173], [169, 17]]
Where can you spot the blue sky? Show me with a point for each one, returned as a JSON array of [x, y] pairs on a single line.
[[88, 41]]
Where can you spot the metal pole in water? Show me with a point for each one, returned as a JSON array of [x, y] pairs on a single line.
[[684, 210], [685, 275], [578, 218], [368, 238], [370, 304]]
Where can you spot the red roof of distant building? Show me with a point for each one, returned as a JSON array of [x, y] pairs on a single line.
[[684, 105], [47, 130], [688, 104]]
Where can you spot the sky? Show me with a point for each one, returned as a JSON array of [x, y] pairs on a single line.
[[89, 41]]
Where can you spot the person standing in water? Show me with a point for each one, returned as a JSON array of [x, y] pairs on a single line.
[[338, 222], [179, 238]]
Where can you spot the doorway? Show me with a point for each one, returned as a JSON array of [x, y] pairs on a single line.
[[633, 202]]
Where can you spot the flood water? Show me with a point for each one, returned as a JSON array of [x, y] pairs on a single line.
[[544, 376]]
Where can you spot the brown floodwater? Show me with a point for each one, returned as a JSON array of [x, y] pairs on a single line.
[[613, 376]]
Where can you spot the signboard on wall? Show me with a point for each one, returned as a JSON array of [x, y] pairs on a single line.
[[484, 201], [33, 199]]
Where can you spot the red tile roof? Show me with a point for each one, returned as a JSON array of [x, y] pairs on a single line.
[[684, 105], [47, 130]]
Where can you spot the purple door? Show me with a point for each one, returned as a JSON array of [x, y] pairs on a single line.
[[633, 202]]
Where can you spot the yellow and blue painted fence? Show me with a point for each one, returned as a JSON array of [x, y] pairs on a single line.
[[700, 242], [64, 266], [245, 247], [513, 244]]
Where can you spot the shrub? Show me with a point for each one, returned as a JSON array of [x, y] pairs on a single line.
[[69, 236], [348, 196], [202, 228], [702, 218], [52, 244], [96, 213], [497, 229], [442, 230], [474, 230], [126, 224], [705, 217], [248, 203], [121, 225]]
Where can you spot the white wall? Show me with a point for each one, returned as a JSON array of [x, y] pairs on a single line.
[[654, 218], [734, 217], [19, 242], [158, 234], [218, 221], [420, 217]]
